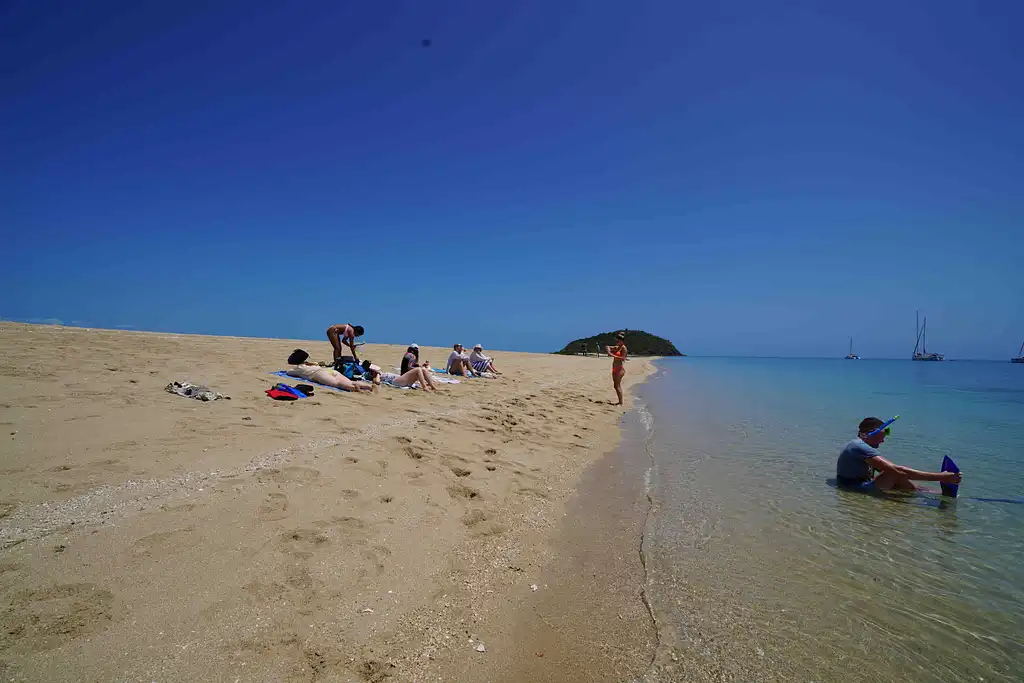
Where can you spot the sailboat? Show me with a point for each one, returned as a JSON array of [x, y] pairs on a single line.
[[851, 355], [922, 344], [1020, 355]]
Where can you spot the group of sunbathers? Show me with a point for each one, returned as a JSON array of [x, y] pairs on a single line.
[[350, 374], [470, 365]]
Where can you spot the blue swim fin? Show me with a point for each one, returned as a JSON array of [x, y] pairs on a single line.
[[949, 466]]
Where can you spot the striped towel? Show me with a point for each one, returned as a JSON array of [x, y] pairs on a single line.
[[481, 365]]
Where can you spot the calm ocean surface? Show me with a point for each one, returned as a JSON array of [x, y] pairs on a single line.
[[759, 570]]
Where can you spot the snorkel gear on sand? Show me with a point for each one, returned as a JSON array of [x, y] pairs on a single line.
[[884, 427]]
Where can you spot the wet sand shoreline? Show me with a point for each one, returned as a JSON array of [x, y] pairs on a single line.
[[588, 619]]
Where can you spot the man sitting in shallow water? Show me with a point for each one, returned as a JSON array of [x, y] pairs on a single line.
[[860, 457]]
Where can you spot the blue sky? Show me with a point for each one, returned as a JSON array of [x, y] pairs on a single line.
[[741, 177]]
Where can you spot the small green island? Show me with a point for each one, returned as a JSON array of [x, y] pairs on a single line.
[[640, 343]]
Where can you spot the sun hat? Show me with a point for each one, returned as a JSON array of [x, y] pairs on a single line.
[[414, 346], [479, 346], [375, 368]]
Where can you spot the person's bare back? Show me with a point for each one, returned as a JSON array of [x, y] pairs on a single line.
[[344, 334]]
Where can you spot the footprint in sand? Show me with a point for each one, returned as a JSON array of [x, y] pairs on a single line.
[[275, 507], [320, 661], [160, 539], [302, 542], [285, 648], [474, 517], [44, 619], [535, 493], [377, 555], [463, 492], [264, 591], [461, 472], [480, 523], [415, 453], [184, 507], [373, 671], [300, 579], [295, 474]]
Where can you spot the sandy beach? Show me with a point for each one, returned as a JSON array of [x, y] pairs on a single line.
[[147, 536]]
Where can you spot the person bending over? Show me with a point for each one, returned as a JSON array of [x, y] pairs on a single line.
[[344, 334]]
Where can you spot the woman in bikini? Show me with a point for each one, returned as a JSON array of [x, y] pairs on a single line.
[[344, 334], [330, 377], [618, 354], [419, 376]]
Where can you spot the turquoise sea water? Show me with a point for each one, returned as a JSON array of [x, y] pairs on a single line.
[[758, 569]]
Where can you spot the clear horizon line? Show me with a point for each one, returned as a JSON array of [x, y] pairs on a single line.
[[56, 322]]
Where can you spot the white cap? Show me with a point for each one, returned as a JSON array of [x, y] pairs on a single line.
[[478, 346], [414, 346]]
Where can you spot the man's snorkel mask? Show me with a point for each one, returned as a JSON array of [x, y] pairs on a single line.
[[884, 427]]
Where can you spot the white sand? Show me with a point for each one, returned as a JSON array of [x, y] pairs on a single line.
[[342, 537]]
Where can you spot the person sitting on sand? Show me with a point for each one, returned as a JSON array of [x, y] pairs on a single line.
[[321, 375], [407, 379], [344, 334], [618, 354], [458, 362], [860, 457], [411, 359], [480, 362]]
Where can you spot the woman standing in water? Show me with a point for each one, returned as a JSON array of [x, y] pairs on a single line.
[[618, 354]]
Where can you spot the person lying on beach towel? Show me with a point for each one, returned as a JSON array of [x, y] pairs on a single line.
[[458, 362], [480, 362], [321, 375], [416, 376]]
